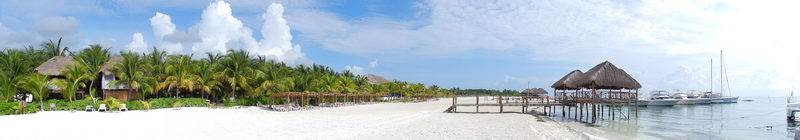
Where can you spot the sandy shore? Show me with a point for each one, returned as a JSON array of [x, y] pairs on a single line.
[[376, 121]]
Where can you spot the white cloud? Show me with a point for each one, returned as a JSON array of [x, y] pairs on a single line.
[[277, 38], [137, 44], [758, 37], [355, 69], [219, 31], [162, 25], [373, 63], [44, 29]]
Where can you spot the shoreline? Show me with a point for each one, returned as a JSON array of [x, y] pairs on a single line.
[[423, 120]]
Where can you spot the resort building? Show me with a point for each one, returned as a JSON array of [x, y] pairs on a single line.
[[107, 75], [52, 69]]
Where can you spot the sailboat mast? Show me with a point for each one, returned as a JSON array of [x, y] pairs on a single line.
[[721, 61], [712, 77]]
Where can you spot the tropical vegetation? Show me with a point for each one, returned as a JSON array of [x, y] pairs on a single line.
[[236, 77]]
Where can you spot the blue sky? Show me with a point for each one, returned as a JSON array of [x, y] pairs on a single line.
[[453, 43]]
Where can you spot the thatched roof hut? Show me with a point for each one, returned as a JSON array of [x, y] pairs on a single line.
[[534, 91], [53, 66], [374, 79], [607, 76], [568, 81], [110, 64]]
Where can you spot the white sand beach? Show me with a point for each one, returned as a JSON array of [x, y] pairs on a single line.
[[376, 121]]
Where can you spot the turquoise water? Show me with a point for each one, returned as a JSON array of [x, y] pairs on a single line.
[[743, 120]]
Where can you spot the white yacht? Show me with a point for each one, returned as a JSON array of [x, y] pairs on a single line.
[[689, 98], [658, 98]]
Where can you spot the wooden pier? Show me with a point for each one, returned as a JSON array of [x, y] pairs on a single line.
[[604, 91]]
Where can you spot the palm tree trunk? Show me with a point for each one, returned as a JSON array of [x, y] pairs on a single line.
[[91, 85]]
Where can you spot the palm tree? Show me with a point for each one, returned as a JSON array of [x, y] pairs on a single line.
[[130, 74], [75, 77], [179, 77], [206, 77], [53, 48], [15, 63], [7, 87], [36, 84], [237, 66], [93, 58]]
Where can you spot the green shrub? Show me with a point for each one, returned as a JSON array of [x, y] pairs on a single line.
[[60, 104], [177, 105], [193, 102], [7, 108], [145, 105], [170, 102], [134, 105], [161, 102], [242, 101], [79, 104]]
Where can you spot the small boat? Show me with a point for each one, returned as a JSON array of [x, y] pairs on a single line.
[[747, 100]]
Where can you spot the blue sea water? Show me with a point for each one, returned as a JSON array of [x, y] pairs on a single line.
[[743, 120]]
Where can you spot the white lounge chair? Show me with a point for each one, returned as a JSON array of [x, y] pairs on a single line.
[[102, 108], [89, 108], [122, 107]]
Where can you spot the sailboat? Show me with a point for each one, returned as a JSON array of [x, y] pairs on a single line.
[[719, 97]]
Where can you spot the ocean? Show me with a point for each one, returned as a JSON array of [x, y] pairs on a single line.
[[762, 118]]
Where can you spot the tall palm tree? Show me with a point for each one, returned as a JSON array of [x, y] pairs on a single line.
[[237, 66], [36, 84], [7, 87], [76, 75], [51, 48], [179, 77], [206, 77], [130, 74], [15, 63], [93, 58]]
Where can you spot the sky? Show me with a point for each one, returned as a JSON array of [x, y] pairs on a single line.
[[493, 44]]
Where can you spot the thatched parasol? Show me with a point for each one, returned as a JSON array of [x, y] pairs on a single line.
[[53, 66], [567, 82], [110, 64], [534, 91], [607, 76], [374, 79]]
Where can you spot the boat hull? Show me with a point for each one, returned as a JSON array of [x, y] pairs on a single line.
[[693, 101], [658, 102], [725, 100]]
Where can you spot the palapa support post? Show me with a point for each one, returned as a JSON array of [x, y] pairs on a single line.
[[477, 103], [501, 104]]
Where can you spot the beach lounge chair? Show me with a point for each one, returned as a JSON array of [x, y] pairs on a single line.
[[122, 107], [89, 108], [102, 108]]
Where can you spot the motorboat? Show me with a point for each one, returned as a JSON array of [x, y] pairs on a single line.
[[658, 98]]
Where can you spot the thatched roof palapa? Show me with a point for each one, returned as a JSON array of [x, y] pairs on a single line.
[[607, 76], [53, 66], [568, 81], [374, 79], [110, 64], [534, 91]]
